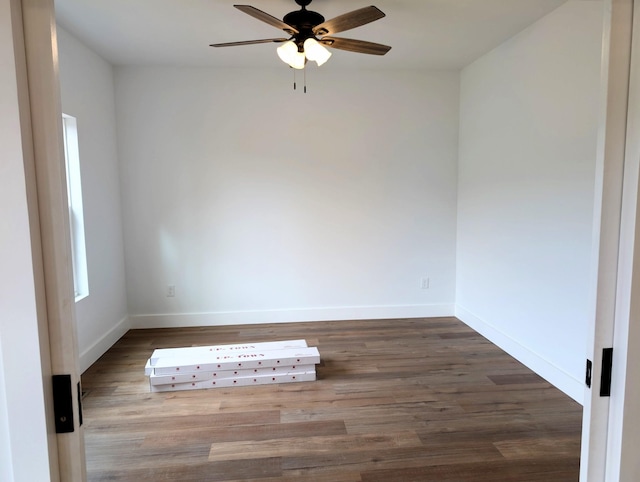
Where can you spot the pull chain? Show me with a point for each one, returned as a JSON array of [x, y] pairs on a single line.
[[304, 74]]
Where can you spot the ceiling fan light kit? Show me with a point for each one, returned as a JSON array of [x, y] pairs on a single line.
[[309, 33]]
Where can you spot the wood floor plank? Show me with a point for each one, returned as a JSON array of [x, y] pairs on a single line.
[[160, 422], [245, 433], [559, 470], [311, 445], [393, 458], [517, 379], [336, 475], [395, 400], [538, 448], [265, 469]]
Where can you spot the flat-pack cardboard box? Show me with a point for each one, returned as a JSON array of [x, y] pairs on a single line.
[[191, 368], [204, 350], [292, 377], [232, 360], [225, 374]]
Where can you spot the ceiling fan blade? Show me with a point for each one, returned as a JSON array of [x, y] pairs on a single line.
[[349, 20], [265, 17], [359, 46], [250, 42]]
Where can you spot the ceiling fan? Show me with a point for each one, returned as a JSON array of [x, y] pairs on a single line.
[[309, 33]]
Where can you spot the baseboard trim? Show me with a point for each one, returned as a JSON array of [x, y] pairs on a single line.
[[180, 320], [550, 372], [547, 370], [89, 356]]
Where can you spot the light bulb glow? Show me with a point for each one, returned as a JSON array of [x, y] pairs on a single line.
[[315, 51], [288, 53]]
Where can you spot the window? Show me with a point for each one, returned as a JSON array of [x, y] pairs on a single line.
[[76, 217]]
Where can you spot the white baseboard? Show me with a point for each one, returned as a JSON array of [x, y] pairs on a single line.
[[547, 370], [288, 316], [89, 356]]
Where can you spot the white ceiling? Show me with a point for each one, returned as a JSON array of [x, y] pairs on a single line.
[[424, 34]]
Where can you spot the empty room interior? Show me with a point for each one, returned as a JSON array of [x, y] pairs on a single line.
[[436, 201]]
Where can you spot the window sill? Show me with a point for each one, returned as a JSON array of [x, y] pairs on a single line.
[[81, 297]]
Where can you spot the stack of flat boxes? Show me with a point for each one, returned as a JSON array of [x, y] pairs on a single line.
[[192, 368]]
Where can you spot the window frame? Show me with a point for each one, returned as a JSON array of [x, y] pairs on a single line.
[[75, 205]]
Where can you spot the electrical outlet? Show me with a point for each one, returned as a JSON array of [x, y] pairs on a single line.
[[424, 283], [171, 291]]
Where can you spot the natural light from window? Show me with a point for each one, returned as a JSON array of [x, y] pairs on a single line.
[[76, 217]]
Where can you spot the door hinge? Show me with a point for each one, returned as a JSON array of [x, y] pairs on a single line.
[[63, 403], [588, 375], [605, 377]]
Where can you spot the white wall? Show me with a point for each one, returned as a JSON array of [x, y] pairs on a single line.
[[6, 465], [23, 435], [87, 89], [264, 204], [528, 125]]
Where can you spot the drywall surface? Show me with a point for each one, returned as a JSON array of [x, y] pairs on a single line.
[[87, 89], [528, 125], [259, 203]]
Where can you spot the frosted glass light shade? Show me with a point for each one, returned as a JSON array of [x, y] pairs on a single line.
[[315, 51], [298, 61], [288, 53]]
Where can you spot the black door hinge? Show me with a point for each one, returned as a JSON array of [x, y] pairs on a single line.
[[588, 375], [605, 377], [63, 403]]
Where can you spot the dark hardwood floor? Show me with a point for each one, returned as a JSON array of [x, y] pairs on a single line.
[[395, 400]]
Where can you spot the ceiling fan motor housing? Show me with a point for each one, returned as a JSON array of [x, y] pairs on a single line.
[[303, 20]]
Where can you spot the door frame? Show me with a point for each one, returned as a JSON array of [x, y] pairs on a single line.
[[616, 195], [624, 417], [45, 173], [605, 429]]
